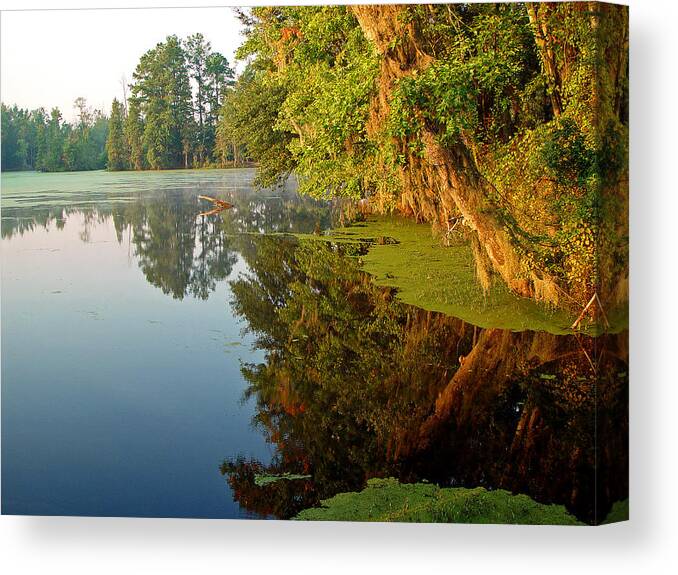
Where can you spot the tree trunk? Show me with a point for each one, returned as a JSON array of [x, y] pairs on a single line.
[[539, 14], [446, 179]]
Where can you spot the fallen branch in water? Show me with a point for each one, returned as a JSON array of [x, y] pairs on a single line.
[[221, 204], [211, 212]]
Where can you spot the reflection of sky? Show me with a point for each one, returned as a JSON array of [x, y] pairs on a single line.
[[116, 398]]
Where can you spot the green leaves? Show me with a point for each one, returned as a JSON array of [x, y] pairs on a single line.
[[116, 145], [304, 105], [32, 140]]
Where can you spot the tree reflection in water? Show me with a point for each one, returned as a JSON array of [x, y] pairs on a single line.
[[357, 385], [179, 251]]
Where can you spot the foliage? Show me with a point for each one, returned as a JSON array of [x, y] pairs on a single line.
[[530, 97], [303, 103], [245, 127], [389, 500], [473, 88], [32, 140], [116, 146]]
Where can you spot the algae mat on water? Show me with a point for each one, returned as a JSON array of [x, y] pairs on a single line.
[[439, 278], [389, 500]]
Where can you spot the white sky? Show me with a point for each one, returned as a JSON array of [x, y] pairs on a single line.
[[49, 58]]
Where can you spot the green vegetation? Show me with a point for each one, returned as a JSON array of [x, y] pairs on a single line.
[[389, 500], [32, 140], [619, 512], [263, 479], [427, 274]]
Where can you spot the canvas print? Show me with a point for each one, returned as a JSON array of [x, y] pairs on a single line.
[[355, 263]]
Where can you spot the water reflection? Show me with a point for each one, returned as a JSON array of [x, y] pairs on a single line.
[[180, 250], [357, 385]]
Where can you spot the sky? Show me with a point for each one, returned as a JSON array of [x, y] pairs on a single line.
[[51, 57]]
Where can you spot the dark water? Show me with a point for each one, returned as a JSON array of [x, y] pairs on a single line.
[[156, 362]]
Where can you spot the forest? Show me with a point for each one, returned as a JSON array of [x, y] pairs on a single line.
[[36, 140], [169, 120]]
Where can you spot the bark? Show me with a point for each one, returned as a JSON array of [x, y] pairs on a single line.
[[539, 14], [447, 179]]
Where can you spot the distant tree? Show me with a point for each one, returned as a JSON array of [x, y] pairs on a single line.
[[85, 142], [246, 122], [54, 142], [134, 136], [220, 80], [11, 158], [116, 144]]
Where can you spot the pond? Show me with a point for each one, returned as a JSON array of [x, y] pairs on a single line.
[[160, 362]]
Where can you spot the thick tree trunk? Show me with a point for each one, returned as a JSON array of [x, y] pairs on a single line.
[[446, 179]]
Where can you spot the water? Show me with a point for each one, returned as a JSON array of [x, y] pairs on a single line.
[[157, 362]]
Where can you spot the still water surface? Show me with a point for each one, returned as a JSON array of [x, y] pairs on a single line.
[[156, 362]]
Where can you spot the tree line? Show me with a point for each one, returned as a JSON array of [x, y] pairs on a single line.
[[36, 140], [170, 120]]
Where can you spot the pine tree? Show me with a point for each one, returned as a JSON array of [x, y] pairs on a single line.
[[116, 145], [134, 134], [163, 92], [197, 52], [55, 142]]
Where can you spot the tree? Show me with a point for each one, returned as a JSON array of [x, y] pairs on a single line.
[[116, 144], [162, 93], [197, 52], [510, 117], [212, 76], [11, 155], [220, 81], [247, 119], [134, 136], [54, 142]]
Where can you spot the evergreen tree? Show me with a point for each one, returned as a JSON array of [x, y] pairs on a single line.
[[116, 145], [134, 136], [197, 52], [163, 92], [11, 159], [54, 142]]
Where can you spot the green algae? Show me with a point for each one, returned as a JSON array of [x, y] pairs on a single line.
[[390, 500], [618, 513], [407, 256], [263, 479]]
